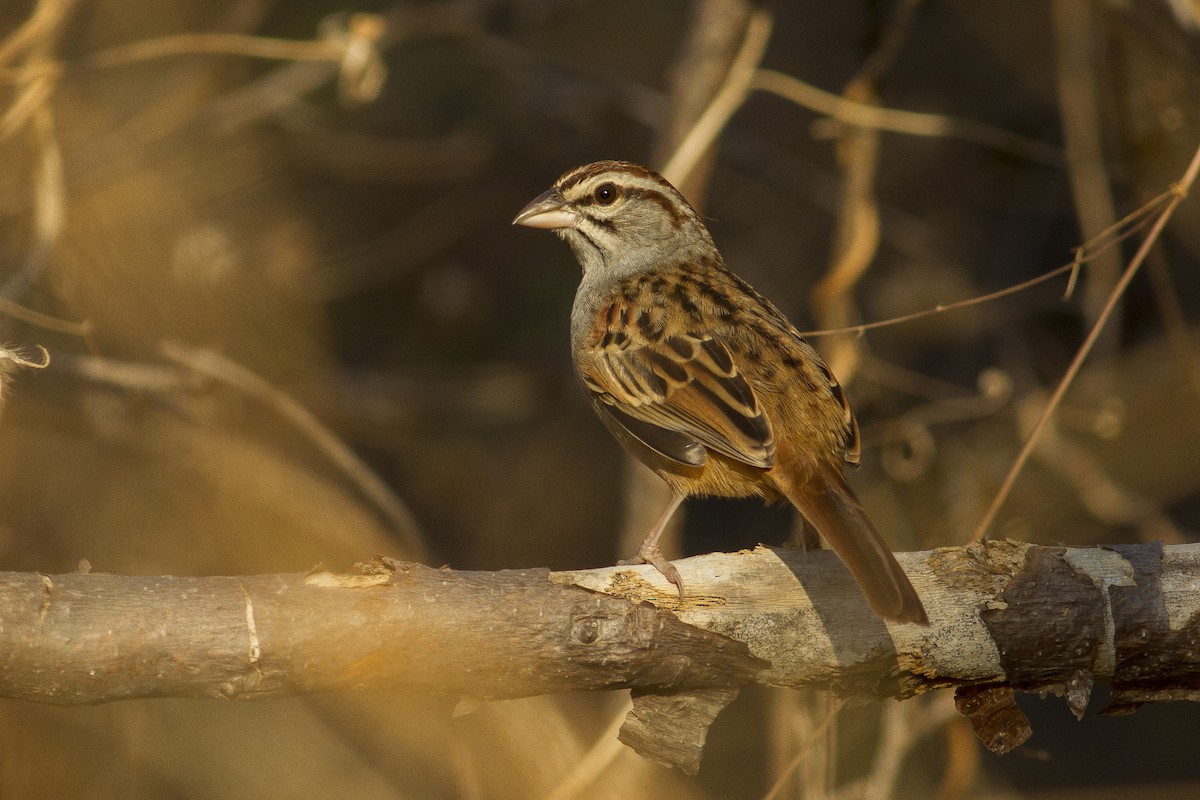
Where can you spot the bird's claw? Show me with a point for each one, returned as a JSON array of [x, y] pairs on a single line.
[[655, 558]]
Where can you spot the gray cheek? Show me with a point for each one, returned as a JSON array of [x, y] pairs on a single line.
[[642, 232]]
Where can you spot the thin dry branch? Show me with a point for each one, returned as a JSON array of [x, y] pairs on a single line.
[[1039, 619], [594, 764], [725, 102], [781, 781], [15, 310], [1181, 190], [1076, 37], [216, 366], [219, 44], [941, 308], [35, 42], [899, 121], [47, 19]]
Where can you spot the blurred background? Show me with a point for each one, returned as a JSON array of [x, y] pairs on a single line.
[[267, 247]]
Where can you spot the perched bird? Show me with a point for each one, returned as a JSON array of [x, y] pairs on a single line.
[[700, 376]]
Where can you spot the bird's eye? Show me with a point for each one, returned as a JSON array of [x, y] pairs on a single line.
[[606, 194]]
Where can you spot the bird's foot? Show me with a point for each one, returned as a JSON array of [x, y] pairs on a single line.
[[652, 555]]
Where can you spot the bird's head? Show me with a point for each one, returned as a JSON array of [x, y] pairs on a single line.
[[619, 218]]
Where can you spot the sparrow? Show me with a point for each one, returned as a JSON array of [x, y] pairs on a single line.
[[700, 377]]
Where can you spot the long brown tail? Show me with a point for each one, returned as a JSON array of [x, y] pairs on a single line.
[[828, 503]]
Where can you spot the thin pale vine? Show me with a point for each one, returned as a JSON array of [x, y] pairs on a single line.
[[1178, 192], [817, 732], [594, 763], [942, 307], [19, 359], [17, 311], [1133, 223], [725, 102], [212, 364], [1113, 235], [913, 123]]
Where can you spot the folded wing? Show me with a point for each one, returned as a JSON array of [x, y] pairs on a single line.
[[677, 392]]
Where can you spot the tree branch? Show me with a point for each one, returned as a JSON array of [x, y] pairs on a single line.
[[1016, 616]]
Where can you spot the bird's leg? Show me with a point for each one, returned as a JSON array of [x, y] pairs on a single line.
[[805, 535], [650, 553]]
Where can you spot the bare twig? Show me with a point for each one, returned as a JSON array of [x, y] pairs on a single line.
[[1180, 192], [17, 311], [909, 122], [1103, 241], [393, 509], [1075, 38], [856, 237], [595, 762], [218, 44], [903, 728], [943, 307], [724, 103], [44, 23], [353, 46], [50, 202], [816, 733], [31, 108], [130, 376], [1125, 228], [15, 357]]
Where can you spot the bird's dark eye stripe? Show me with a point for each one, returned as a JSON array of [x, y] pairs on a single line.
[[592, 242], [662, 200], [602, 222]]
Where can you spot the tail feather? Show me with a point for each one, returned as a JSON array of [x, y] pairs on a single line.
[[830, 505]]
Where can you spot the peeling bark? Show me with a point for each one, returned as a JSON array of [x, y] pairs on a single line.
[[994, 716], [1055, 613], [1155, 660], [670, 729]]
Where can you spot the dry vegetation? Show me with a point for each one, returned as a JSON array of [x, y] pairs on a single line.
[[266, 248]]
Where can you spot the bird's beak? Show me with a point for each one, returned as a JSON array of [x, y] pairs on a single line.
[[547, 211]]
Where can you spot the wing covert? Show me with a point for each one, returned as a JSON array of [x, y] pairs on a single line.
[[685, 383]]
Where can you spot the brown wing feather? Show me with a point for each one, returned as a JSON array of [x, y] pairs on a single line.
[[686, 384]]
